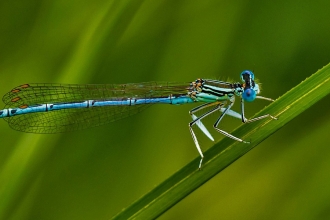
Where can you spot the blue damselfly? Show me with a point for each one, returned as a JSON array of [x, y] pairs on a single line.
[[55, 108]]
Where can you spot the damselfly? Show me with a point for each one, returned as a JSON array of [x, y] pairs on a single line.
[[54, 108]]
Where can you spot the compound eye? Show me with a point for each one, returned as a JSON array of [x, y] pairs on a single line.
[[246, 75], [249, 95]]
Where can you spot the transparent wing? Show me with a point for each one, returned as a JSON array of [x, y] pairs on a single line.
[[80, 118]]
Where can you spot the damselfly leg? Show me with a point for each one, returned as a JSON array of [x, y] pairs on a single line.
[[224, 132], [244, 120], [200, 125]]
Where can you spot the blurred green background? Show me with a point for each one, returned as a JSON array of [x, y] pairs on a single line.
[[94, 174]]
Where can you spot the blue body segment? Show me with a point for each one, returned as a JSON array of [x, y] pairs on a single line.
[[93, 103], [54, 108]]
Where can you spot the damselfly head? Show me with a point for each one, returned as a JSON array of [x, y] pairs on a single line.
[[251, 89]]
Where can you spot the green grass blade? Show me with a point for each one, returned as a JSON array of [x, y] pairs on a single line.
[[225, 152]]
